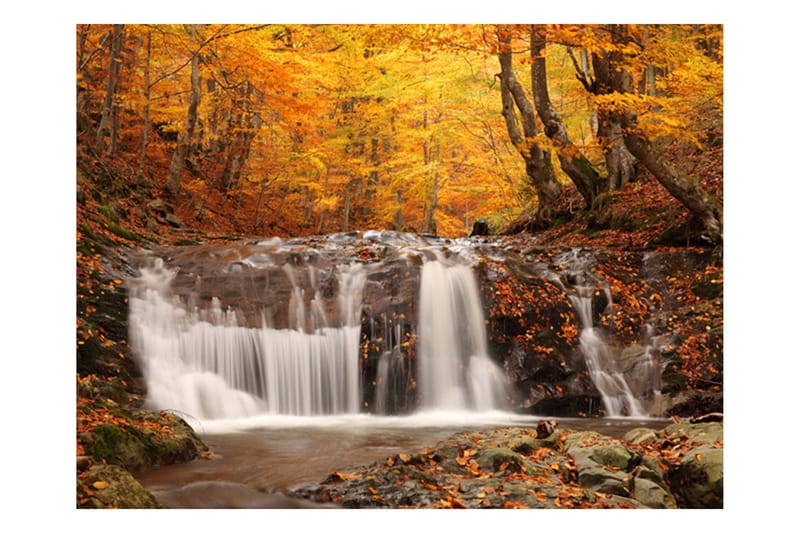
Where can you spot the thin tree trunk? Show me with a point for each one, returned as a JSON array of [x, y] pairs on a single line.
[[574, 164], [173, 185], [146, 126], [537, 161], [114, 63]]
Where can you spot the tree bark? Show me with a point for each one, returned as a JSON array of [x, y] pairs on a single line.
[[114, 63], [574, 164], [245, 124], [146, 126], [173, 185], [619, 161], [538, 166]]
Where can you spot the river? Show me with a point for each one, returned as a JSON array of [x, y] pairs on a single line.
[[252, 464]]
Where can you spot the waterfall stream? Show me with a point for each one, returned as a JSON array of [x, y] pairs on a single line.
[[378, 323], [628, 380]]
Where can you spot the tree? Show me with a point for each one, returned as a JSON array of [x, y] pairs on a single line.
[[579, 169], [173, 184], [538, 165], [703, 207], [619, 162], [108, 120]]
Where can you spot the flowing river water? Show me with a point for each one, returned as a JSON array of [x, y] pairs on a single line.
[[254, 467]]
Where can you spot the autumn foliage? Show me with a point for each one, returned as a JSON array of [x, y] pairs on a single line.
[[292, 129]]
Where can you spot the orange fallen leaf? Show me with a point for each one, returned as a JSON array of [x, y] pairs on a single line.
[[341, 476], [100, 485]]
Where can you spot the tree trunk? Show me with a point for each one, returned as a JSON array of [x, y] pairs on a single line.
[[702, 206], [173, 185], [574, 164], [146, 127], [114, 63], [537, 161], [619, 161]]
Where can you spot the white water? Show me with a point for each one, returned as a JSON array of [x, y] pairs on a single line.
[[204, 364], [455, 371], [615, 385]]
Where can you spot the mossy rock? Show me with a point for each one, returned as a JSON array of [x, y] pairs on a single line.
[[114, 445], [698, 480], [493, 459], [652, 495], [642, 436], [709, 432], [111, 486], [135, 447], [614, 455]]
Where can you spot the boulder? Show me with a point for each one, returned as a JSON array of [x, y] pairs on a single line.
[[651, 494], [111, 486], [698, 481]]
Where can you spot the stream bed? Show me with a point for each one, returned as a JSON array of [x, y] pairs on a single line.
[[253, 465]]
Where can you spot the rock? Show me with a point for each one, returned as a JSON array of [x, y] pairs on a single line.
[[614, 455], [137, 449], [641, 436], [698, 481], [160, 207], [493, 459], [111, 486], [107, 442], [708, 433], [601, 479], [173, 220], [651, 494], [479, 228], [545, 428]]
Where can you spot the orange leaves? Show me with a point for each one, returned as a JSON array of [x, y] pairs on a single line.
[[342, 476]]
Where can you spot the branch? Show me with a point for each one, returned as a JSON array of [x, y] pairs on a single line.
[[579, 72]]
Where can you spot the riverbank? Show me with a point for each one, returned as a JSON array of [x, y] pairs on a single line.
[[679, 466]]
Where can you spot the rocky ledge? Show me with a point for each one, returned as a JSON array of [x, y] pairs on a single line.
[[679, 466]]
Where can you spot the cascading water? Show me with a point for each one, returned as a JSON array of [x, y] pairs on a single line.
[[204, 363], [628, 380], [278, 328], [376, 323], [455, 370]]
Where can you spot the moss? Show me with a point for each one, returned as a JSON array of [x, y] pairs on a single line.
[[90, 244], [110, 486], [101, 443], [107, 212], [119, 231]]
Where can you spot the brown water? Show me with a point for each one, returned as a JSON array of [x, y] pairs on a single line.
[[254, 468]]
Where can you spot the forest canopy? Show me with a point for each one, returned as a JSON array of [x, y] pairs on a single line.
[[304, 129]]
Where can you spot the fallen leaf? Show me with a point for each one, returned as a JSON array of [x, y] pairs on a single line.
[[100, 485]]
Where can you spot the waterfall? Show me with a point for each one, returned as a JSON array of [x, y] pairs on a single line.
[[628, 380], [375, 323], [455, 372], [204, 363]]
